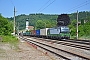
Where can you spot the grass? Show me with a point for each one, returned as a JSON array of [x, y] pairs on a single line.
[[12, 40], [83, 37], [9, 39]]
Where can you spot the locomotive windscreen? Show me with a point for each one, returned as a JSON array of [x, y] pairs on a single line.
[[65, 29]]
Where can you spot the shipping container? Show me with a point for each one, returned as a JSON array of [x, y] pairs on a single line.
[[38, 32], [28, 33], [33, 32], [43, 31]]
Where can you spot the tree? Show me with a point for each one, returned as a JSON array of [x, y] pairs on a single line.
[[40, 24], [72, 27], [81, 30], [5, 26]]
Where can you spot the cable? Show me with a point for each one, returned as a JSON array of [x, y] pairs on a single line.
[[81, 5], [44, 5], [48, 5], [12, 2]]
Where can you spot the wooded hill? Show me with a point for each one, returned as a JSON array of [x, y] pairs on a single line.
[[40, 20], [49, 19]]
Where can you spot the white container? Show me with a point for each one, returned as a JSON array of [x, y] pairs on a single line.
[[43, 31]]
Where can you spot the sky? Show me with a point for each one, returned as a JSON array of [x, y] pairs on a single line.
[[42, 6]]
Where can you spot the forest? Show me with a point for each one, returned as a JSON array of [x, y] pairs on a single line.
[[40, 20]]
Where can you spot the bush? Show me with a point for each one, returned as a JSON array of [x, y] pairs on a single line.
[[5, 26], [9, 39]]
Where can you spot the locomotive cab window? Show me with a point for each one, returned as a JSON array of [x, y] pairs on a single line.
[[65, 30]]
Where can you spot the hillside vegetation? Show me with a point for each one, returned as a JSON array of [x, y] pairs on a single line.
[[6, 28], [50, 20], [40, 20]]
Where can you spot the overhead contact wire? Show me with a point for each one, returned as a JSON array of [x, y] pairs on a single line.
[[44, 5], [48, 5]]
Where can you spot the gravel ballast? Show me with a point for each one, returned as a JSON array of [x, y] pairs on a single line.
[[23, 51]]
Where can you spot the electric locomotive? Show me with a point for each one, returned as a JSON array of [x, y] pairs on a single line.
[[61, 32]]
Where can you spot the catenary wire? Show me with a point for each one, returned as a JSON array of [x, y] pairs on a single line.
[[44, 5], [47, 5], [12, 2], [79, 6]]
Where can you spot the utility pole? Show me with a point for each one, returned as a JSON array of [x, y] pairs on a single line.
[[77, 26], [14, 21], [18, 28], [45, 28]]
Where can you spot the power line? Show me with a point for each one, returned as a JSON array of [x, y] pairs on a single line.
[[47, 5], [44, 5], [79, 6], [12, 2]]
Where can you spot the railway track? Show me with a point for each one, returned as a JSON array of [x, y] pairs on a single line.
[[81, 44], [57, 51], [87, 42], [71, 44]]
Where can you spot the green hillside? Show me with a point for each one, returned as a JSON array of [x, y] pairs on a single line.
[[50, 20], [40, 20]]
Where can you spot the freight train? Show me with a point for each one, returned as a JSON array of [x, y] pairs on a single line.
[[61, 32]]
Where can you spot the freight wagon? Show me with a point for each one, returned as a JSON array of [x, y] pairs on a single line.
[[32, 33]]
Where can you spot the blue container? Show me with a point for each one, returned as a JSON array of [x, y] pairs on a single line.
[[37, 32]]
